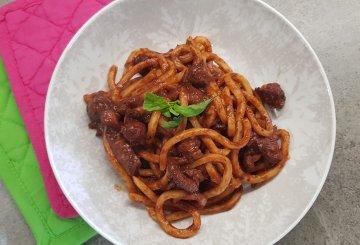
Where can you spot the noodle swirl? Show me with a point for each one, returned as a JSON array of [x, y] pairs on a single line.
[[199, 165]]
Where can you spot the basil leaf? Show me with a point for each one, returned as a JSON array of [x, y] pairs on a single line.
[[166, 112], [176, 102], [171, 124], [154, 102], [175, 113], [192, 110]]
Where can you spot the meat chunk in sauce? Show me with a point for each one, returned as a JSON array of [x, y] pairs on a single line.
[[138, 114], [123, 105], [178, 160], [109, 118], [167, 132], [272, 94], [123, 152], [194, 95], [198, 75], [195, 174], [134, 132], [98, 103], [187, 180], [250, 162], [170, 92], [262, 148], [190, 149], [101, 111]]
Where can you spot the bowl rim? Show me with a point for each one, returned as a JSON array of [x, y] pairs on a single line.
[[264, 5]]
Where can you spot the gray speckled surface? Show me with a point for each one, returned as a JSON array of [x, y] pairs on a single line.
[[333, 29]]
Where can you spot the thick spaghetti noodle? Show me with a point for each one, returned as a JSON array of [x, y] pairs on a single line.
[[182, 166]]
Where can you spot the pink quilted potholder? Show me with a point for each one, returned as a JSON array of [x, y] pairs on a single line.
[[33, 34]]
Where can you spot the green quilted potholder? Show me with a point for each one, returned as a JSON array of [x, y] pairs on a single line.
[[20, 173]]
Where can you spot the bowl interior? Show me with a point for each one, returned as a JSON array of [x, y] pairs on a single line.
[[256, 42]]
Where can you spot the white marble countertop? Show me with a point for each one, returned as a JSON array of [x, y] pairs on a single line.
[[333, 29]]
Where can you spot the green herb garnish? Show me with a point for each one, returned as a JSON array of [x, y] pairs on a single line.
[[192, 110], [171, 124], [173, 109], [154, 102]]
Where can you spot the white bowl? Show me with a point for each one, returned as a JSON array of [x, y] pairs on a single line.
[[257, 42]]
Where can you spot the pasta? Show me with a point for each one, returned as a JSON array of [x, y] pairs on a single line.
[[186, 133]]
